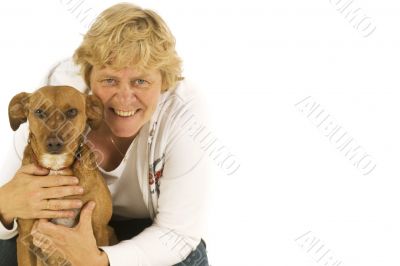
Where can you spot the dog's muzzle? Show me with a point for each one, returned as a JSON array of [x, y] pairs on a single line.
[[54, 145]]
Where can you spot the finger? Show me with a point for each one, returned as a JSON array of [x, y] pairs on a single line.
[[45, 243], [33, 169], [34, 227], [56, 205], [55, 214], [49, 229], [85, 219], [57, 180], [63, 191], [38, 239], [43, 220]]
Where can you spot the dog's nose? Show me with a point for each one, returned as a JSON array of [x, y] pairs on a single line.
[[54, 144]]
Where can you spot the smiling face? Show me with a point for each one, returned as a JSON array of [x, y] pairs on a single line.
[[129, 97]]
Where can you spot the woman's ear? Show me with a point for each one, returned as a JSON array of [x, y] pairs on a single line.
[[94, 111], [18, 110]]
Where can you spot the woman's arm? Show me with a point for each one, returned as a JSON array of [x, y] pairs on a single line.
[[6, 220], [177, 228], [8, 225]]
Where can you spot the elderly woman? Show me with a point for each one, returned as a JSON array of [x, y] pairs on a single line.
[[156, 172]]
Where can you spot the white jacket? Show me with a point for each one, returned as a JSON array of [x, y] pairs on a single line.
[[171, 169]]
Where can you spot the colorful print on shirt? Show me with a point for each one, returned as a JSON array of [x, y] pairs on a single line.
[[155, 173]]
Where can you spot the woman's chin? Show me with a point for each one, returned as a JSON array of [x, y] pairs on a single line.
[[123, 130]]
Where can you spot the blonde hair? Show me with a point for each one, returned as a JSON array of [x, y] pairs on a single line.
[[126, 35]]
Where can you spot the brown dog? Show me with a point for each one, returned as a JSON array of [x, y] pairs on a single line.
[[58, 117]]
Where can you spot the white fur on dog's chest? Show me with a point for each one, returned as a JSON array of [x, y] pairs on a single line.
[[68, 222], [53, 161]]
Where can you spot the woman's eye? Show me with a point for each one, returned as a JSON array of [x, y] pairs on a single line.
[[40, 113], [141, 82], [109, 82], [71, 113]]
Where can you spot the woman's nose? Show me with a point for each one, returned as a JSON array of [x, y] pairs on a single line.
[[125, 88], [126, 92]]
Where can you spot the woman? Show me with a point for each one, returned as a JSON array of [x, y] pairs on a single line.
[[156, 173]]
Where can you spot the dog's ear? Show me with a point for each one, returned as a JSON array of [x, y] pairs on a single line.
[[18, 110], [94, 111]]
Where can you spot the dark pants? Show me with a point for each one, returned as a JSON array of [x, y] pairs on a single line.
[[124, 230], [8, 252]]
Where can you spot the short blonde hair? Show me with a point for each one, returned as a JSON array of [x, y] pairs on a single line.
[[126, 35]]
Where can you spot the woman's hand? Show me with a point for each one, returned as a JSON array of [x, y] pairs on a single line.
[[76, 245], [34, 194]]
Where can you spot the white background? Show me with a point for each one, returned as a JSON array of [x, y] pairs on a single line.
[[255, 60]]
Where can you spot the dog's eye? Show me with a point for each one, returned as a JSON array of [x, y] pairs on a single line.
[[71, 113], [40, 113]]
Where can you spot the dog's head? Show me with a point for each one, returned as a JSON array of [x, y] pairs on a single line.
[[57, 117]]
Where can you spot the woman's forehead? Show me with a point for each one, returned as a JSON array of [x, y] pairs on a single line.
[[123, 72]]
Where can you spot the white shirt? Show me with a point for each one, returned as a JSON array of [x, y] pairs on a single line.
[[169, 167], [121, 178]]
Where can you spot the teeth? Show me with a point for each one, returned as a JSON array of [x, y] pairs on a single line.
[[124, 113]]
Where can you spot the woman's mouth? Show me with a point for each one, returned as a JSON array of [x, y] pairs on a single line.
[[122, 113]]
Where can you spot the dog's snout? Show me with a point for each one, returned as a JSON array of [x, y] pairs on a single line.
[[54, 144]]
